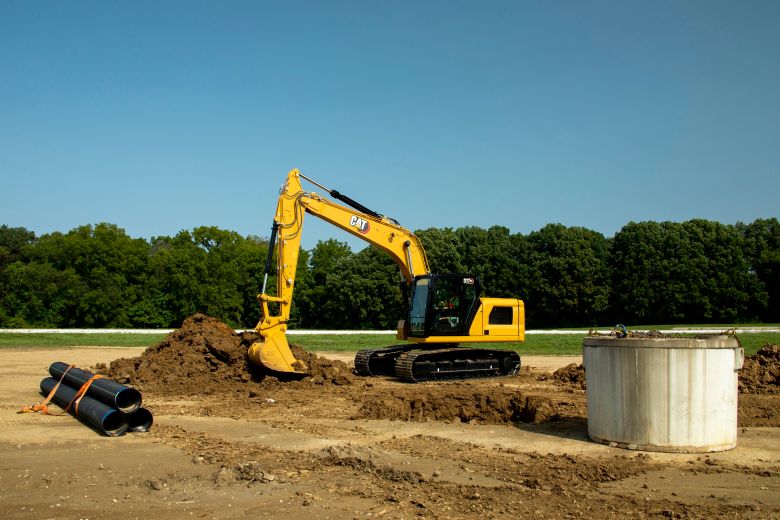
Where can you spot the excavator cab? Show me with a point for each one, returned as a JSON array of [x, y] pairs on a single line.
[[444, 311], [443, 305]]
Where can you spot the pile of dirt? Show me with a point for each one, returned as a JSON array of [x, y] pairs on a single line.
[[206, 356], [759, 388], [761, 372], [497, 405], [572, 374]]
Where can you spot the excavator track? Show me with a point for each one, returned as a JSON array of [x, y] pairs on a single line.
[[379, 361], [455, 363], [414, 363]]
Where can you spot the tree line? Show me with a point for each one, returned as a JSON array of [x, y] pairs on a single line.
[[697, 271]]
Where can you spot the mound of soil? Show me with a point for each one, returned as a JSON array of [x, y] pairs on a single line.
[[207, 356], [761, 372], [498, 405], [571, 374]]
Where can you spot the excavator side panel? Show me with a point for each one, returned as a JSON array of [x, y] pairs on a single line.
[[501, 318]]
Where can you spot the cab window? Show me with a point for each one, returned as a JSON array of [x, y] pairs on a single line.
[[447, 305], [500, 316], [418, 308]]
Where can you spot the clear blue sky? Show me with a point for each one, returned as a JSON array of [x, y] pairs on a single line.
[[162, 116]]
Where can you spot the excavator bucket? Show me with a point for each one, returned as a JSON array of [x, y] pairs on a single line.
[[274, 354]]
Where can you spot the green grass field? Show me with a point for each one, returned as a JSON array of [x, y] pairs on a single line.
[[14, 339], [536, 344]]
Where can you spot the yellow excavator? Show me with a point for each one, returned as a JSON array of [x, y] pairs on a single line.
[[443, 310]]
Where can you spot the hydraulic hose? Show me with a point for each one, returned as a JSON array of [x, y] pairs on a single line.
[[269, 258]]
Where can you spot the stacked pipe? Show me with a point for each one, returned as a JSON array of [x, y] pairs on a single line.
[[110, 407]]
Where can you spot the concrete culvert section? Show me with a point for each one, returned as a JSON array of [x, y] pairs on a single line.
[[663, 394]]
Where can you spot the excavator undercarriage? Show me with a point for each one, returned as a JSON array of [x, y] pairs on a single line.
[[413, 363]]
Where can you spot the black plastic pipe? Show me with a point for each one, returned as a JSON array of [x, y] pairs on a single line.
[[140, 420], [109, 392], [102, 417]]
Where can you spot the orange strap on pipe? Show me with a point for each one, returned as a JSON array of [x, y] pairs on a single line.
[[82, 392], [42, 406]]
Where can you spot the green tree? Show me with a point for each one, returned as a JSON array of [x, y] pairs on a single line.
[[251, 262], [443, 249], [12, 242], [207, 270], [762, 251], [638, 273], [493, 254], [312, 289], [730, 291], [111, 269], [692, 272], [498, 258], [365, 292], [37, 295], [223, 283], [568, 283], [178, 272]]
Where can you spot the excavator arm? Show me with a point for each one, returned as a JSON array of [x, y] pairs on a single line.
[[402, 245]]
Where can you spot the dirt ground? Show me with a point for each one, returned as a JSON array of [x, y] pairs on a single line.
[[230, 442]]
